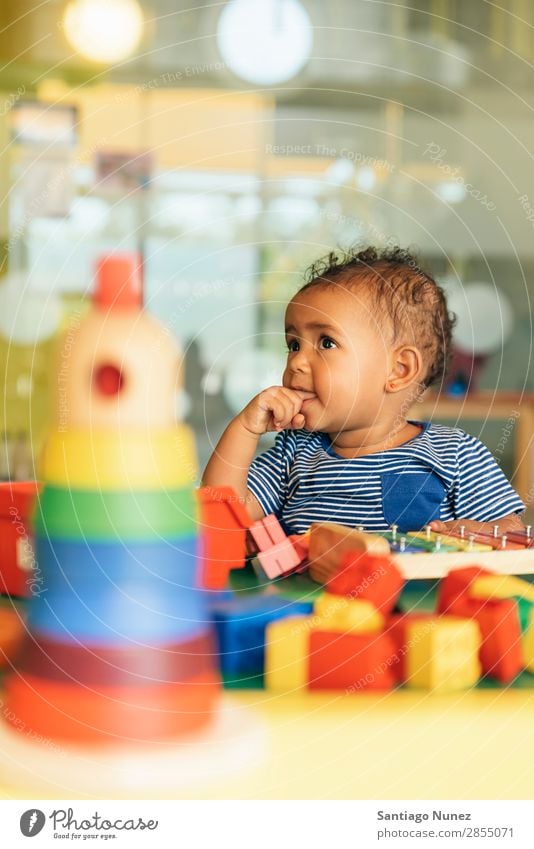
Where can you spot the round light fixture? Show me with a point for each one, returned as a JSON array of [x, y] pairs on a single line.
[[104, 30], [265, 42]]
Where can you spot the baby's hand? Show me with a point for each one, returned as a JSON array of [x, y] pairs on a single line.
[[275, 408], [507, 523]]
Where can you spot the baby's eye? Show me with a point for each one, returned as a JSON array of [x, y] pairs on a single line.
[[326, 343], [293, 345]]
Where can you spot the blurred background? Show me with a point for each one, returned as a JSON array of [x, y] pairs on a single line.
[[231, 144]]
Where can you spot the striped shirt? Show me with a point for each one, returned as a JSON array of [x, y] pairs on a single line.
[[442, 473]]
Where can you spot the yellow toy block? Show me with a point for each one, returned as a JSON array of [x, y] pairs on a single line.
[[337, 613], [129, 459], [501, 586], [528, 648], [443, 654], [286, 654]]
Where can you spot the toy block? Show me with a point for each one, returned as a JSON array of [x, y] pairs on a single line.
[[275, 562], [301, 544], [260, 536], [267, 532], [527, 644], [12, 630], [501, 586], [397, 628], [453, 590], [337, 613], [274, 529], [372, 577], [224, 521], [350, 662], [329, 542], [501, 652], [240, 626], [16, 560], [286, 654], [443, 654]]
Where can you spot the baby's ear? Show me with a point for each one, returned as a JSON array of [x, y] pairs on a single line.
[[406, 368]]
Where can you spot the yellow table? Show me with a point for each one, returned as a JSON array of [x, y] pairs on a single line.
[[402, 745]]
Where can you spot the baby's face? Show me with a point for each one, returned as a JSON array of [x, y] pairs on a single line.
[[338, 353]]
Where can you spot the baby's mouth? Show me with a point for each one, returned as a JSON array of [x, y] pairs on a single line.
[[306, 396]]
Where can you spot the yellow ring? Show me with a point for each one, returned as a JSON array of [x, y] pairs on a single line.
[[127, 460]]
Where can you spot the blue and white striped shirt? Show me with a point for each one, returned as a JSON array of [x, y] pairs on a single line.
[[442, 473]]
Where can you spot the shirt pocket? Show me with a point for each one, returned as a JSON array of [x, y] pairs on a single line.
[[413, 500]]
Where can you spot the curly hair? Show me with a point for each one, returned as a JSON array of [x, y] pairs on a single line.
[[415, 303]]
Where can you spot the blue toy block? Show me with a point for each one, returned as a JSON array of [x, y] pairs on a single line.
[[240, 625]]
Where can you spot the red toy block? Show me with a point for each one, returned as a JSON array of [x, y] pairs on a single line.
[[396, 629], [16, 560], [453, 591], [501, 652], [225, 521], [371, 576], [350, 662]]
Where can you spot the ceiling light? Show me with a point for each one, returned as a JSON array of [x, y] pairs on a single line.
[[265, 42], [104, 30]]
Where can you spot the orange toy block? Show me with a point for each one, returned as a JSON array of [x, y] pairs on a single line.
[[350, 662], [453, 592], [224, 521], [501, 652], [369, 576]]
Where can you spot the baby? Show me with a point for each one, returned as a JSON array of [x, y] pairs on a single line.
[[366, 335]]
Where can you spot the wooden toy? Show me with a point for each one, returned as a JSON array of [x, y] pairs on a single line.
[[120, 649], [424, 554], [442, 653], [225, 521], [350, 662], [328, 542], [286, 654], [368, 576]]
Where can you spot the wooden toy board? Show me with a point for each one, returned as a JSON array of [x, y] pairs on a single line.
[[436, 564]]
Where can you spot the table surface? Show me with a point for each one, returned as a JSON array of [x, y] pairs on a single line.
[[474, 744]]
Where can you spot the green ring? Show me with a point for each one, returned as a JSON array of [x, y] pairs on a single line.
[[111, 515]]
